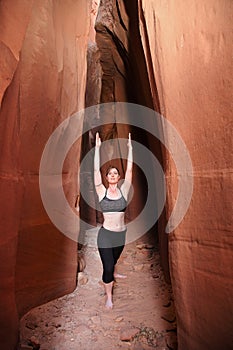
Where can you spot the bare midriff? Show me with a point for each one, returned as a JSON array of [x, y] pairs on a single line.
[[114, 221]]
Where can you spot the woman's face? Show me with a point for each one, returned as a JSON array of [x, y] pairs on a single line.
[[113, 176]]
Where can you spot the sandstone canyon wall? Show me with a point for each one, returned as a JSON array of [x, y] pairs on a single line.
[[188, 46], [42, 82]]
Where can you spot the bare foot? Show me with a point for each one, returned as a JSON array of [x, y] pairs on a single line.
[[109, 304], [118, 275]]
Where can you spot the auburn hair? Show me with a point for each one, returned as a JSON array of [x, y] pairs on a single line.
[[112, 167]]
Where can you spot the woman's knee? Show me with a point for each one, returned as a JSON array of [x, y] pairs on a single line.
[[108, 276], [109, 269]]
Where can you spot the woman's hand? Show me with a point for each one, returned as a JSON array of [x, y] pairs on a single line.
[[97, 140], [129, 141]]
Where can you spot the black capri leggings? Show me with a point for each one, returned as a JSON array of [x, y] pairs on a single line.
[[110, 246]]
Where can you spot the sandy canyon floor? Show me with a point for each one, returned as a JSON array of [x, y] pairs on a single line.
[[143, 315]]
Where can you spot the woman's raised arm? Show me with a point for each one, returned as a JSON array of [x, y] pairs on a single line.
[[129, 170], [100, 189]]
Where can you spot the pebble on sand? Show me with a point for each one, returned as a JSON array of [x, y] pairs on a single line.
[[128, 333]]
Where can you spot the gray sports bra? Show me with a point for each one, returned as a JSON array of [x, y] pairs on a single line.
[[113, 205]]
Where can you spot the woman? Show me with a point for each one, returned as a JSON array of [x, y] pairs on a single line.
[[113, 201]]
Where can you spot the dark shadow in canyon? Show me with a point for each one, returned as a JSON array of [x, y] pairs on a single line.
[[125, 78]]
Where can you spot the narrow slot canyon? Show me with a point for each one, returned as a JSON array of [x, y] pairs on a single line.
[[162, 72]]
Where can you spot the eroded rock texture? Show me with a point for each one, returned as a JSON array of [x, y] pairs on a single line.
[[42, 82], [124, 79]]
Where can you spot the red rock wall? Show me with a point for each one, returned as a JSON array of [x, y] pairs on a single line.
[[42, 82], [190, 46]]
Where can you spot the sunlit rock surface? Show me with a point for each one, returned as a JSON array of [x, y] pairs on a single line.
[[188, 50], [42, 81]]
